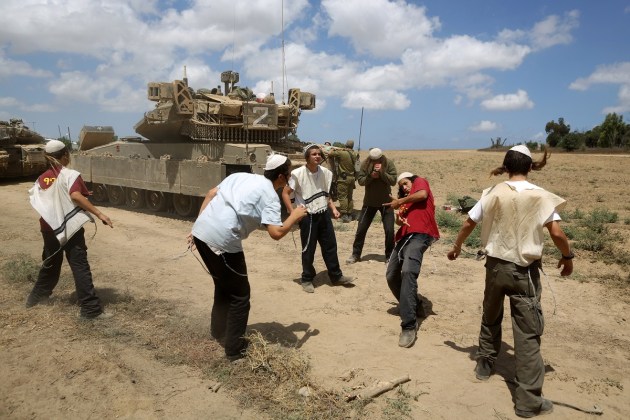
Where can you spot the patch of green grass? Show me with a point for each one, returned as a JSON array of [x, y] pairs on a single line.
[[21, 268], [448, 220]]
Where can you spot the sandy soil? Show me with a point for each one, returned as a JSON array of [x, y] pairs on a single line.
[[53, 368]]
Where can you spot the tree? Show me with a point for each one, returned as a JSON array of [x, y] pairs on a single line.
[[532, 145], [591, 137], [572, 141], [555, 131], [612, 131]]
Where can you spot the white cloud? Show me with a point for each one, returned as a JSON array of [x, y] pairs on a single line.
[[551, 31], [380, 27], [508, 102], [384, 99], [9, 67], [483, 126], [8, 102], [624, 102], [616, 74]]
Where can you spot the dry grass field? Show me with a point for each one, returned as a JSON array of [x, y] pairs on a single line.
[[154, 358]]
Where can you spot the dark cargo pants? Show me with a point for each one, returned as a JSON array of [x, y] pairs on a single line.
[[365, 220], [522, 286], [402, 274], [76, 254], [230, 309], [318, 228]]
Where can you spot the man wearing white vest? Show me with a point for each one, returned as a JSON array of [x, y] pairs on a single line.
[[512, 216], [60, 197], [310, 185]]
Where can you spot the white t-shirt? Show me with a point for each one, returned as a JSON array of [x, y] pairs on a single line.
[[242, 204], [476, 213]]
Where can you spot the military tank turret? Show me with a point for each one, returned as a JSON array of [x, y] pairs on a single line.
[[190, 141], [21, 150]]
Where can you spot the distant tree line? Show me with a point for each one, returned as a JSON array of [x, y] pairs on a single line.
[[612, 133]]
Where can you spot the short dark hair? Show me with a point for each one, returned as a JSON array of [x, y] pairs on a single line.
[[307, 152], [284, 169]]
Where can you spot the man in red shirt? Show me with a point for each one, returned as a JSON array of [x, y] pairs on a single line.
[[418, 230], [74, 246]]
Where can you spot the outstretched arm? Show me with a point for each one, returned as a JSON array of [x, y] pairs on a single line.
[[464, 232], [420, 195], [278, 232], [85, 204]]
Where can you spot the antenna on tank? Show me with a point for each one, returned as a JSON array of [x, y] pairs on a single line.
[[284, 67]]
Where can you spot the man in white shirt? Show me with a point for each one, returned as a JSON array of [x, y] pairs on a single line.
[[241, 203], [310, 185], [513, 215]]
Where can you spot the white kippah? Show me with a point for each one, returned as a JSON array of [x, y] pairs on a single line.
[[54, 146], [375, 153], [403, 175], [275, 160], [522, 149]]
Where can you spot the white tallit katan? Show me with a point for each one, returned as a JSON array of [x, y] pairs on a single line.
[[56, 207], [312, 188]]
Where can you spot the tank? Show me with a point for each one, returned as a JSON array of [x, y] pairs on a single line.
[[21, 150], [188, 143]]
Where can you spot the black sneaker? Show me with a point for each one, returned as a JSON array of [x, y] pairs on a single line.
[[545, 408], [483, 370]]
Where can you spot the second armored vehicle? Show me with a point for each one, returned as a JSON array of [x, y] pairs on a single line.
[[21, 150]]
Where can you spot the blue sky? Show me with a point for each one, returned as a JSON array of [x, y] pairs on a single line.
[[428, 74]]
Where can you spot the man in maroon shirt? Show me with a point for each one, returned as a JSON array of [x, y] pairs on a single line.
[[58, 157], [418, 230]]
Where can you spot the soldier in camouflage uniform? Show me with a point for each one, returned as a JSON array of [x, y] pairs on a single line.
[[344, 165]]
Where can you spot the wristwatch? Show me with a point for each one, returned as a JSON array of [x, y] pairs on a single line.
[[568, 257]]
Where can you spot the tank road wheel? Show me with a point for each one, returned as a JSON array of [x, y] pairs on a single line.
[[116, 195], [156, 200], [185, 205], [99, 193], [135, 198]]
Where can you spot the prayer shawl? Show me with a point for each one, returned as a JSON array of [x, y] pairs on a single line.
[[56, 207], [512, 225], [313, 188]]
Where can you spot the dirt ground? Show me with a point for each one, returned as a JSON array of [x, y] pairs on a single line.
[[54, 365]]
